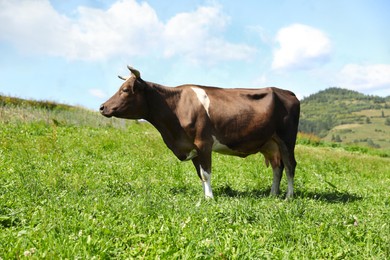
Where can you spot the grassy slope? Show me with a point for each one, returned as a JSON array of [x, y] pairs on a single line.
[[344, 113], [359, 133], [73, 185]]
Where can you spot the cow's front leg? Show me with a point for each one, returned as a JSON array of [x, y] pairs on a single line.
[[202, 164]]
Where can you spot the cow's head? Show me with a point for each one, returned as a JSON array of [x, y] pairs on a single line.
[[129, 102]]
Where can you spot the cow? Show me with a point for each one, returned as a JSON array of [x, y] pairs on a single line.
[[195, 120]]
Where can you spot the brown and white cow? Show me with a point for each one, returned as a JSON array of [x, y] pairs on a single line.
[[196, 120]]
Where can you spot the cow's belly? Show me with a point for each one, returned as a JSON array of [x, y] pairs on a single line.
[[270, 150], [224, 149]]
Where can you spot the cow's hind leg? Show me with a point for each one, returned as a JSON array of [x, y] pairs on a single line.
[[290, 172], [272, 154], [290, 164], [277, 172]]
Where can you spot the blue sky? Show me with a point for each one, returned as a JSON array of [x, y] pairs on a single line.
[[72, 51]]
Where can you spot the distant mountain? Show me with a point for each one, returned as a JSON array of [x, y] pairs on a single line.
[[347, 116]]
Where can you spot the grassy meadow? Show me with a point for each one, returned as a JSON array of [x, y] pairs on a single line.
[[76, 185]]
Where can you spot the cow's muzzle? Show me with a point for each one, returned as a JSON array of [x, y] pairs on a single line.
[[103, 110]]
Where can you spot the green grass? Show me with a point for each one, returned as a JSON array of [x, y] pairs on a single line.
[[77, 185]]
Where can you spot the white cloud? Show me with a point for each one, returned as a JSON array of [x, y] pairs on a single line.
[[365, 77], [127, 28], [33, 26], [198, 36], [301, 47], [185, 31], [97, 93]]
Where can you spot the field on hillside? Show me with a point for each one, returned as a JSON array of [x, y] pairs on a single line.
[[373, 131], [77, 185]]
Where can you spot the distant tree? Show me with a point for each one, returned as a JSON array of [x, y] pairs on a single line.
[[337, 139], [368, 120], [372, 144], [387, 122], [383, 114]]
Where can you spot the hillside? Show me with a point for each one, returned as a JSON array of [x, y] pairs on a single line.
[[348, 117], [19, 102], [16, 110], [335, 115]]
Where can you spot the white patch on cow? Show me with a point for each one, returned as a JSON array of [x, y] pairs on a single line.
[[191, 155], [203, 98], [221, 148], [206, 183]]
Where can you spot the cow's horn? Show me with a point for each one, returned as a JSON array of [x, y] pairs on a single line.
[[135, 72], [123, 78]]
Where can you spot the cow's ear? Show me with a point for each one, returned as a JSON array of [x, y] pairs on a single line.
[[135, 72], [138, 84]]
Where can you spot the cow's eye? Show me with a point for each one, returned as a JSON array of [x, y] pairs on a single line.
[[126, 90]]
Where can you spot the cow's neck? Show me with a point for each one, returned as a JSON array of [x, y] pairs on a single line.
[[162, 103]]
